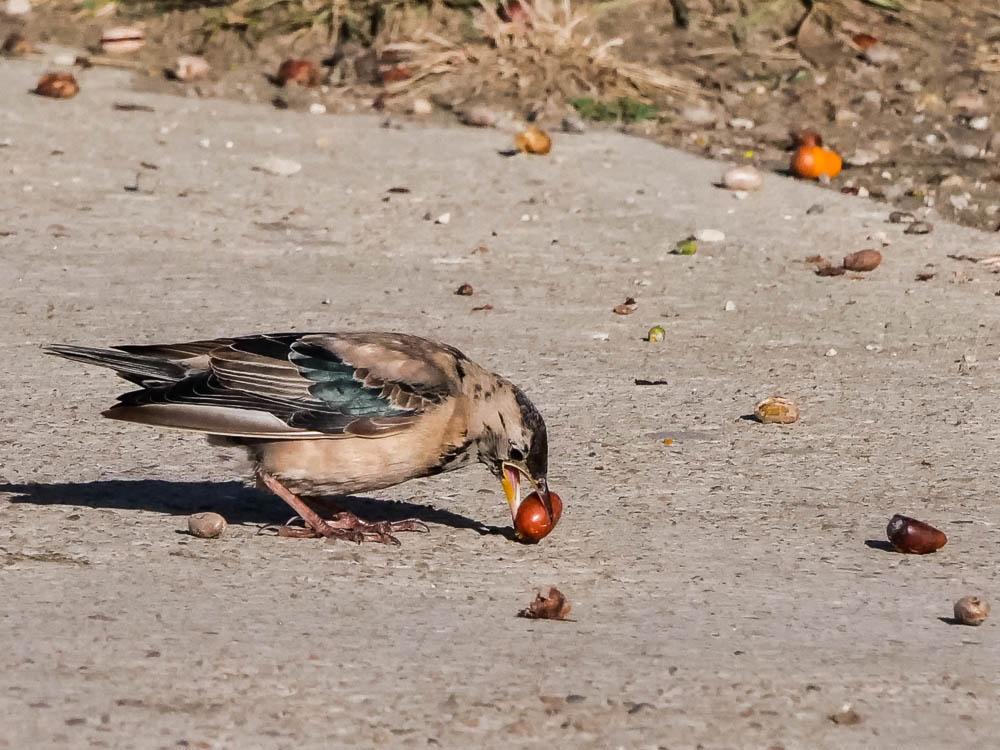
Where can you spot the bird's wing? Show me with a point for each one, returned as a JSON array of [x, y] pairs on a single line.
[[302, 385]]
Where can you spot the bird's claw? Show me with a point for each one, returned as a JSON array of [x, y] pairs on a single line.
[[348, 527]]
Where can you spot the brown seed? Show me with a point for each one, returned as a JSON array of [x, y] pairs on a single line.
[[625, 308], [206, 525], [914, 537], [971, 610], [534, 140], [57, 86], [863, 260], [776, 410], [465, 290], [301, 72]]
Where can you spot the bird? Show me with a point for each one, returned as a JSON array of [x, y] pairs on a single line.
[[331, 414]]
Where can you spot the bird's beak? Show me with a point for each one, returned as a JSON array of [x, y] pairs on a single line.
[[510, 478]]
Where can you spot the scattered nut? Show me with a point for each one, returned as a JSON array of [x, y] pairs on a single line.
[[625, 308], [971, 610], [845, 716], [863, 260], [914, 537], [743, 178], [122, 40], [776, 410], [656, 334], [552, 606], [465, 290], [206, 525], [57, 86], [534, 140], [300, 72]]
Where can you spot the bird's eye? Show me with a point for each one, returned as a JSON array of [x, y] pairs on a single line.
[[516, 454]]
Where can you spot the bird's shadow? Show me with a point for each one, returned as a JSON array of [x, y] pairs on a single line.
[[880, 544], [236, 501]]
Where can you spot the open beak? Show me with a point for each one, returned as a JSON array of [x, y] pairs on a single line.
[[511, 477]]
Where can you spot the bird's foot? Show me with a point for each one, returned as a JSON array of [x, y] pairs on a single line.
[[346, 525]]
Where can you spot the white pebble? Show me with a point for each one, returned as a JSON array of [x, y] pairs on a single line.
[[277, 166], [831, 352], [744, 178], [191, 68], [710, 235], [64, 59], [317, 108], [525, 217], [979, 123], [443, 218], [17, 7], [600, 336], [205, 143], [741, 123], [730, 306], [421, 107]]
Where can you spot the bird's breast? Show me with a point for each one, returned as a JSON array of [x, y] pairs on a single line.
[[353, 464]]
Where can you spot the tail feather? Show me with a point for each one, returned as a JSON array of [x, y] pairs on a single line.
[[146, 371]]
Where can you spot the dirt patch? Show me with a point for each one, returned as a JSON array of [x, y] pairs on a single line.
[[904, 95]]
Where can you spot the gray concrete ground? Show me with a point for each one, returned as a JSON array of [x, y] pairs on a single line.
[[723, 592]]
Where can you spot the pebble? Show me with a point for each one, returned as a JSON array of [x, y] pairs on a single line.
[[741, 123], [873, 98], [863, 156], [317, 108], [699, 115], [478, 117], [815, 208], [443, 218], [277, 166], [421, 107], [831, 352], [64, 59], [846, 116], [910, 86], [979, 123], [919, 227], [17, 7], [882, 54], [959, 202], [730, 306], [744, 177], [206, 525], [191, 68], [969, 102], [710, 235]]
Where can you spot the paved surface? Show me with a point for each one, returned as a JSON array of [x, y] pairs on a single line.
[[723, 591]]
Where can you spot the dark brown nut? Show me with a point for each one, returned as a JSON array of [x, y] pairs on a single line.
[[914, 537], [57, 86]]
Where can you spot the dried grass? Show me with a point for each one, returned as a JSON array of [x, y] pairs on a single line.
[[546, 50]]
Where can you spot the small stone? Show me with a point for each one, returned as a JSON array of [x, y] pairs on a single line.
[[710, 235], [699, 115], [730, 306], [928, 102], [872, 98], [863, 156], [443, 218], [741, 123], [317, 108], [17, 7], [862, 192], [815, 208], [421, 107], [919, 227], [845, 716], [881, 54], [967, 150], [831, 352], [959, 202], [952, 180], [969, 102], [465, 290], [845, 116], [278, 166], [206, 525], [478, 117], [743, 178], [979, 123], [910, 85], [191, 68], [776, 410]]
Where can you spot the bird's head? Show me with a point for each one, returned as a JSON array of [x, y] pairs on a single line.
[[513, 444]]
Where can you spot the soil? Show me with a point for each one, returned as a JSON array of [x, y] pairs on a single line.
[[757, 72]]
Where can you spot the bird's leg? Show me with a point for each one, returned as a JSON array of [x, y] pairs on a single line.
[[316, 525], [343, 524]]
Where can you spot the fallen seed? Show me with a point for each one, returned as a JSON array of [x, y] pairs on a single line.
[[206, 525]]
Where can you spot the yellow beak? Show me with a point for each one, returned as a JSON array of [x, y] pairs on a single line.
[[511, 481]]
